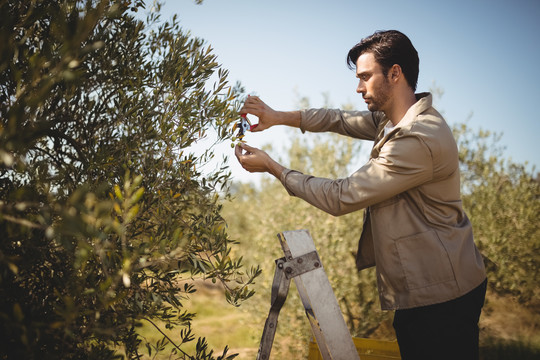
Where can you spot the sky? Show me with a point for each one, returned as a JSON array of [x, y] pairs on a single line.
[[483, 54]]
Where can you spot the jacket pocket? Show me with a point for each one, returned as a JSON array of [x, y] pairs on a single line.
[[424, 260]]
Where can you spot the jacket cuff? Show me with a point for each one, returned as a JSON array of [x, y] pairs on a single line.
[[283, 179], [303, 115]]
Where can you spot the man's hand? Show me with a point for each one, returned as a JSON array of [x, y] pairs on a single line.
[[268, 117], [256, 160]]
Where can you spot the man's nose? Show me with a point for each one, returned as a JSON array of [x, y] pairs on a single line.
[[361, 87]]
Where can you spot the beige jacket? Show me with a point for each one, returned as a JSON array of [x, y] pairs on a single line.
[[415, 230]]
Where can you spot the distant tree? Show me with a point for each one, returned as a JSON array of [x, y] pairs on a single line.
[[502, 198], [105, 216], [258, 212]]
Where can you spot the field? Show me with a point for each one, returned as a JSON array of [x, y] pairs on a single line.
[[508, 331], [221, 323]]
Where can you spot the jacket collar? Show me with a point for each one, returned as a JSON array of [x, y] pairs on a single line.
[[423, 103]]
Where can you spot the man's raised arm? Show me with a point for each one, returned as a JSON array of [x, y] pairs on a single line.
[[269, 117]]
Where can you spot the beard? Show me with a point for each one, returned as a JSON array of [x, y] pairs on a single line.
[[379, 96]]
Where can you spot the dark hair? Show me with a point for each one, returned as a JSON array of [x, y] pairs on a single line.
[[389, 48]]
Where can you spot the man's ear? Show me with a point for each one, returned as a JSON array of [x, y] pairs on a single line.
[[395, 72]]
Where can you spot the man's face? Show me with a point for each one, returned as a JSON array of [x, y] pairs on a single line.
[[373, 85]]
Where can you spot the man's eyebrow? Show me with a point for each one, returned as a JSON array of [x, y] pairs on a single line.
[[362, 73]]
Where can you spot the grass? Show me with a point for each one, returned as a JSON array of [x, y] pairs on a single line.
[[508, 330], [219, 322], [497, 349]]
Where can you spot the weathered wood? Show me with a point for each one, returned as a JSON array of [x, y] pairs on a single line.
[[322, 308]]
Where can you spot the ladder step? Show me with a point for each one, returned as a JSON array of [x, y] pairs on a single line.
[[368, 349]]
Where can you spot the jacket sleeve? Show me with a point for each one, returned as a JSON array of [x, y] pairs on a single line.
[[357, 124], [403, 163]]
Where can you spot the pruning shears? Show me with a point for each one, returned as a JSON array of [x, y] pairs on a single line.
[[243, 125]]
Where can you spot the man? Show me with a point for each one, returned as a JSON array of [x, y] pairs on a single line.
[[415, 231]]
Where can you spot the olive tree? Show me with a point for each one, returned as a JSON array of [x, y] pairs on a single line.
[[502, 198], [105, 215], [259, 212]]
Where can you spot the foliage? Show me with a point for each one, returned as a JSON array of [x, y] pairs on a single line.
[[502, 198], [105, 216]]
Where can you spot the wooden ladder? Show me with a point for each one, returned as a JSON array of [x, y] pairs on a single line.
[[302, 263]]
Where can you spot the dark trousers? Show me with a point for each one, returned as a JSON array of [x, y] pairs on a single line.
[[442, 331]]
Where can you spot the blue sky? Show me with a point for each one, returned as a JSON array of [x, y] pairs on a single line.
[[483, 54]]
